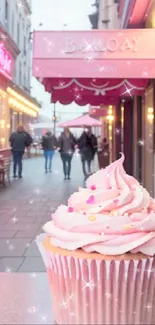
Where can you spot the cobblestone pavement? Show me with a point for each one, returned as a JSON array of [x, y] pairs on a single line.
[[26, 205]]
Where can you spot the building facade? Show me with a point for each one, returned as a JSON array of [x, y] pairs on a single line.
[[137, 15], [108, 17], [16, 104]]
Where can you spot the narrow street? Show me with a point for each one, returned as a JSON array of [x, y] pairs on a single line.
[[26, 205]]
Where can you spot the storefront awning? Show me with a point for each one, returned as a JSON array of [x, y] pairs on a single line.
[[84, 120], [94, 66], [92, 91]]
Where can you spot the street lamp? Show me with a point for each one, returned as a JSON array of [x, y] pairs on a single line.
[[54, 119]]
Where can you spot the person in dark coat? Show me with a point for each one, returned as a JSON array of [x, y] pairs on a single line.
[[67, 144], [88, 147], [19, 140], [105, 152], [49, 144]]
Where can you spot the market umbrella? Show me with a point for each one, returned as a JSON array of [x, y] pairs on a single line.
[[84, 120]]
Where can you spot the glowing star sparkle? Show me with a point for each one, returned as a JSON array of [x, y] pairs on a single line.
[[32, 310], [117, 131], [20, 5], [108, 295], [33, 275], [141, 142], [128, 91], [14, 220], [8, 270], [78, 96], [43, 318], [89, 46], [89, 58], [90, 285], [11, 247], [64, 304], [148, 306]]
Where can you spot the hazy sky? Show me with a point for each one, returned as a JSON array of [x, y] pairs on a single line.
[[53, 15]]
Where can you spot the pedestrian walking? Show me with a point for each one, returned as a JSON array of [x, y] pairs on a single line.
[[88, 147], [49, 144], [67, 144], [105, 151], [19, 140]]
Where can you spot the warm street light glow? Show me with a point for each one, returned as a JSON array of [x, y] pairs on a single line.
[[15, 104], [150, 114], [23, 100]]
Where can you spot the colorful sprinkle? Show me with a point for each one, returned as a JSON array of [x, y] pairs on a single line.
[[70, 209], [116, 201], [93, 187], [114, 213], [92, 218], [125, 214], [128, 227], [90, 200]]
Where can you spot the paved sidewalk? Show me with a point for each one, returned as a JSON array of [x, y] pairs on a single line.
[[26, 206]]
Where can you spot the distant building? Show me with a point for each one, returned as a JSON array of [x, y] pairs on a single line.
[[16, 104], [108, 14]]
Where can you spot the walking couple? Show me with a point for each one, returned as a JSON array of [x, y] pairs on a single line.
[[66, 147], [87, 145]]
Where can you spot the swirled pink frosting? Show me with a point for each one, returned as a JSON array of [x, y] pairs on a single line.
[[112, 216]]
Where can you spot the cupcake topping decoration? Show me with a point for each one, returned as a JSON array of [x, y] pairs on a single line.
[[93, 187], [116, 201], [114, 213], [116, 205], [70, 209], [91, 200], [127, 227], [92, 218]]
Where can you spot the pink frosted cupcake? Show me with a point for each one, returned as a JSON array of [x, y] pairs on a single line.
[[99, 252]]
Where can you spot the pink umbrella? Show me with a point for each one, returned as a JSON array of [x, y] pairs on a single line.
[[84, 120]]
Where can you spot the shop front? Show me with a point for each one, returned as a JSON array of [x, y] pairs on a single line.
[[23, 110], [6, 72], [108, 68]]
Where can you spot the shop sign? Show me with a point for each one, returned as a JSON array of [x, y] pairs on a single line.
[[110, 45], [6, 62]]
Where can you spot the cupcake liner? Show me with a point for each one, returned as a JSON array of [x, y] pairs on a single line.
[[86, 291]]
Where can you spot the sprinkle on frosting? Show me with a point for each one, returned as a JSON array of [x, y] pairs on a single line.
[[92, 218], [91, 199], [114, 213], [128, 227], [70, 209], [93, 187], [116, 201]]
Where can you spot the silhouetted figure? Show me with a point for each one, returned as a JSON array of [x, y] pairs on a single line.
[[105, 153], [88, 147], [49, 144], [67, 144], [19, 140]]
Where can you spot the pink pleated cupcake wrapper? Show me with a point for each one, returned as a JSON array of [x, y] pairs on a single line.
[[101, 292]]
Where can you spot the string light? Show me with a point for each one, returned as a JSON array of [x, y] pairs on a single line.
[[22, 99]]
